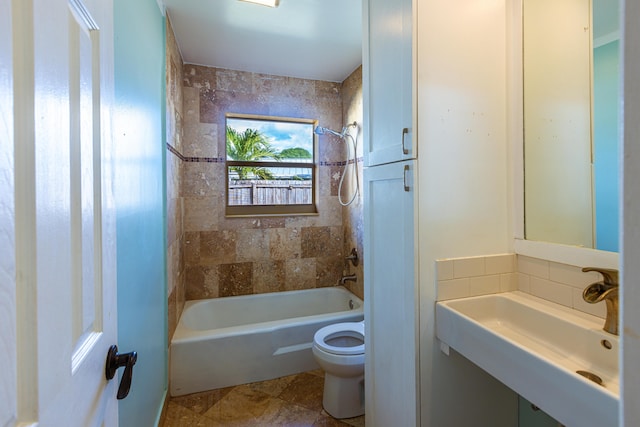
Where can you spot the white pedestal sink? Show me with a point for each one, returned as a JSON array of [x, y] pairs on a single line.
[[535, 347]]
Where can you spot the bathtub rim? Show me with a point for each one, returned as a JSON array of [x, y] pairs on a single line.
[[184, 334]]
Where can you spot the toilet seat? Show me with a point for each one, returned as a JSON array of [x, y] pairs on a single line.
[[348, 330]]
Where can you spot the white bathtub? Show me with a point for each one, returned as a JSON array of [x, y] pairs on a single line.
[[228, 341]]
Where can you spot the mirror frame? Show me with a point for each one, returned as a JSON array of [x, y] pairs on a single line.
[[556, 252]]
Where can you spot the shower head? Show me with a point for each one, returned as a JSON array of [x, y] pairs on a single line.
[[319, 130]]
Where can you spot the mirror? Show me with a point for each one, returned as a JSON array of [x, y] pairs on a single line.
[[570, 81]]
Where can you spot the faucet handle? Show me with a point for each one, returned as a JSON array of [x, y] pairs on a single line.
[[610, 275]]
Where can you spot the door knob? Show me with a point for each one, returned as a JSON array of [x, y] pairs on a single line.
[[115, 361]]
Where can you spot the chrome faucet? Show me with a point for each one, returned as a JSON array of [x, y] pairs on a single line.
[[351, 278], [606, 290]]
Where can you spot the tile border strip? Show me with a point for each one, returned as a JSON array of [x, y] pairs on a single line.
[[179, 155]]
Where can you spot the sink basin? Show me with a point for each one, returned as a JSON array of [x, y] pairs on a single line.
[[536, 348]]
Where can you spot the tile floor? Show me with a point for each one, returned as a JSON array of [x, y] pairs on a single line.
[[295, 400]]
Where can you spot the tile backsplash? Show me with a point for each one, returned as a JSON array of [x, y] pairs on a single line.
[[472, 276], [481, 275], [559, 283]]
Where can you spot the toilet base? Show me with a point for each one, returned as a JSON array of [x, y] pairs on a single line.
[[343, 397]]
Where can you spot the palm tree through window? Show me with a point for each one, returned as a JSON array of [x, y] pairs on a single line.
[[270, 163]]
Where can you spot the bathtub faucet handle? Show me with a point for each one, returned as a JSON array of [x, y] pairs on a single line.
[[353, 257]]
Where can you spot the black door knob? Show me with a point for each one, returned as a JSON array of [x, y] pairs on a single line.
[[115, 361]]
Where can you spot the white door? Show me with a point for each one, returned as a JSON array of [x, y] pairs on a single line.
[[57, 219]]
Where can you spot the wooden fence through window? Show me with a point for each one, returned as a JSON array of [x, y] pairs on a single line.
[[270, 192]]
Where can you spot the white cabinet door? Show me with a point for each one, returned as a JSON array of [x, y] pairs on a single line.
[[391, 297], [57, 218], [388, 79]]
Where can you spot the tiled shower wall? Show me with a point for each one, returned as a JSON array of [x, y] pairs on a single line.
[[352, 215], [240, 255], [174, 136]]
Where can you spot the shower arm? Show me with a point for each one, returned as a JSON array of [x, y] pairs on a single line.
[[319, 130]]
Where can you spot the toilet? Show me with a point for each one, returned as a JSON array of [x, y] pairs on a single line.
[[339, 350]]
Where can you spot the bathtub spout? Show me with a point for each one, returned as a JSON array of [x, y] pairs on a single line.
[[345, 279]]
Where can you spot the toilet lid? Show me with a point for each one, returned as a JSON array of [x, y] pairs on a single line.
[[341, 338]]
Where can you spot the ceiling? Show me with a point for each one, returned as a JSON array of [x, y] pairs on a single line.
[[311, 39]]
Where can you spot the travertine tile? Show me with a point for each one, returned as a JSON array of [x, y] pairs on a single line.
[[203, 213], [234, 81], [330, 90], [202, 140], [235, 279], [207, 95], [295, 400], [330, 212], [268, 276], [172, 314], [321, 242], [305, 390], [300, 274], [241, 406], [280, 413], [191, 112], [252, 245], [273, 387], [198, 76], [192, 248], [335, 174], [218, 247], [201, 402], [202, 282], [203, 179], [284, 243], [315, 241], [179, 416], [329, 270]]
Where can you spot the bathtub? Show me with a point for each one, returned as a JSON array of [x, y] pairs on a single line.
[[229, 341]]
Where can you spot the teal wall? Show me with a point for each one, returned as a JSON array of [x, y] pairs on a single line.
[[140, 200], [606, 70]]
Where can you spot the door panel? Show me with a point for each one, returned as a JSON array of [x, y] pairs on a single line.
[[63, 216], [389, 81], [391, 298]]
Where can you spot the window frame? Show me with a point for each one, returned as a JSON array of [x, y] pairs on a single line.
[[272, 210]]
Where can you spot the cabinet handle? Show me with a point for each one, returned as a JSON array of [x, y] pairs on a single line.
[[404, 178], [405, 150]]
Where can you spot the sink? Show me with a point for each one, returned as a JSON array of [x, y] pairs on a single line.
[[536, 348]]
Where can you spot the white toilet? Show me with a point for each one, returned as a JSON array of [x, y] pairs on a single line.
[[339, 350]]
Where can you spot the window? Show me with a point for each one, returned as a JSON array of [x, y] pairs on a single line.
[[270, 165]]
